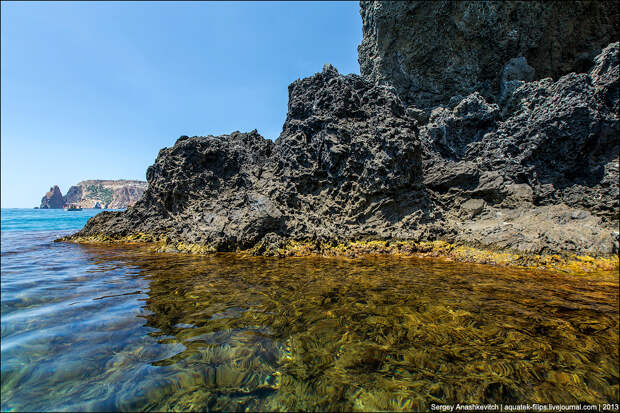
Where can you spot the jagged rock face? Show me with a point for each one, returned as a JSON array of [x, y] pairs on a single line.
[[347, 149], [52, 199], [126, 196], [74, 194], [203, 190], [552, 144], [559, 138], [431, 51], [535, 173]]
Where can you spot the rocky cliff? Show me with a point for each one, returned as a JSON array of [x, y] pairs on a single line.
[[431, 51], [52, 199], [527, 166], [109, 194]]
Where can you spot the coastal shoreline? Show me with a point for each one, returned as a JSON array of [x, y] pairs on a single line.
[[354, 164], [566, 263], [507, 165]]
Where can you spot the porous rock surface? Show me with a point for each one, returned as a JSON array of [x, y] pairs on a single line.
[[433, 50], [534, 172], [347, 150]]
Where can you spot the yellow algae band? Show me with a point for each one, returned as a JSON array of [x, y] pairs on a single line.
[[571, 263], [159, 241], [104, 238]]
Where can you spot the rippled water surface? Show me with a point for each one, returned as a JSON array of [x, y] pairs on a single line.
[[111, 328]]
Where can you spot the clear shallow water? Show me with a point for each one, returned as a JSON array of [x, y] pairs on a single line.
[[111, 328]]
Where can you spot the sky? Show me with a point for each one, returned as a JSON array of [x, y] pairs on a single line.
[[94, 90]]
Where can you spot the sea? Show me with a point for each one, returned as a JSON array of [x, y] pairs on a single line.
[[125, 328]]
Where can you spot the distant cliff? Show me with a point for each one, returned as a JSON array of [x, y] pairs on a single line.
[[52, 199], [97, 194]]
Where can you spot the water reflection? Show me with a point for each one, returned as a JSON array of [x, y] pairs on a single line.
[[172, 332]]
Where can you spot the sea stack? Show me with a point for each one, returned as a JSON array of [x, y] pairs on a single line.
[[501, 150], [53, 199]]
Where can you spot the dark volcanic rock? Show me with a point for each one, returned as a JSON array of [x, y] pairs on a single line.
[[433, 50], [555, 144], [347, 148], [52, 199], [535, 171], [560, 138]]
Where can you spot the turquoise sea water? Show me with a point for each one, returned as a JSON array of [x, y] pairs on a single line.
[[96, 328], [28, 220]]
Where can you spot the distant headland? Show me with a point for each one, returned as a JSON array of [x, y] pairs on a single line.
[[94, 193]]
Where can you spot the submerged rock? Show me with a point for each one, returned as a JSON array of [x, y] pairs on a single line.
[[536, 172]]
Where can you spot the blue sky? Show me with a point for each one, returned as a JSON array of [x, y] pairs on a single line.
[[95, 90]]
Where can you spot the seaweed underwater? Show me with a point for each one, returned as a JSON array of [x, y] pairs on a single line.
[[227, 332]]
